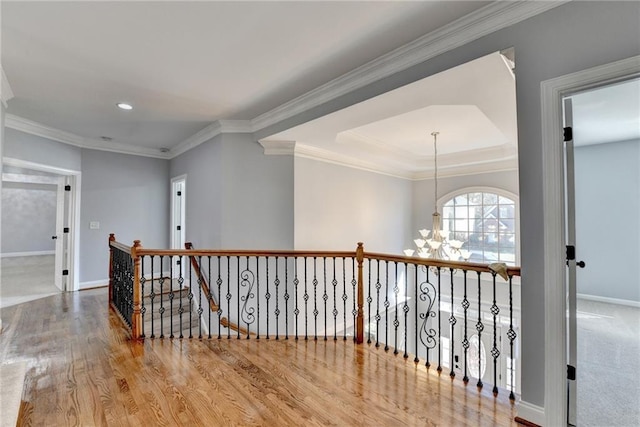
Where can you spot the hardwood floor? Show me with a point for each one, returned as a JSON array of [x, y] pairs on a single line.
[[82, 370]]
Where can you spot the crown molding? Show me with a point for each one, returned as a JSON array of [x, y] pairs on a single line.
[[44, 131], [491, 18], [214, 129], [278, 148], [5, 89]]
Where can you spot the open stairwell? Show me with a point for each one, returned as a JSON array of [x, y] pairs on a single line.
[[174, 312]]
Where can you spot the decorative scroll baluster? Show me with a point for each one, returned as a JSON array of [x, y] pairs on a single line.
[[334, 282], [405, 309], [378, 317], [479, 328], [386, 307], [427, 332], [465, 340], [511, 334], [315, 299], [495, 352], [439, 369], [277, 310], [325, 297], [247, 315], [452, 322], [344, 297], [396, 322]]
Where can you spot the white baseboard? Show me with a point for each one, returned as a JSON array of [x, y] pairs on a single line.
[[608, 300], [94, 284], [32, 253], [530, 412]]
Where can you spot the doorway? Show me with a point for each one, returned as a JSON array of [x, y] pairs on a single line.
[[555, 283], [606, 140]]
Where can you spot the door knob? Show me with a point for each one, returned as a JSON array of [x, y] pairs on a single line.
[[54, 237], [581, 264]]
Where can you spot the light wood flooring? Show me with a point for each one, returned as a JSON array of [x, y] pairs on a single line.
[[81, 369]]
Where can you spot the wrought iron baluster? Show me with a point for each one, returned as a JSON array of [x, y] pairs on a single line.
[[386, 308], [369, 301], [427, 332], [315, 299], [296, 282], [267, 296], [344, 297], [277, 310], [152, 296], [416, 359], [162, 310], [439, 369], [452, 322], [143, 279], [219, 283], [325, 297], [405, 308], [249, 279], [228, 296], [479, 329], [171, 296], [396, 322], [200, 310], [180, 292], [286, 298], [334, 282], [210, 298], [354, 311], [258, 298], [306, 302], [378, 317], [495, 352], [237, 297], [511, 334], [465, 341]]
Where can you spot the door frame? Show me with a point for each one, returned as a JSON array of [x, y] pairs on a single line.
[[181, 179], [73, 178], [555, 283]]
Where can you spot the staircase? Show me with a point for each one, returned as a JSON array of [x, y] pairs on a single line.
[[168, 322]]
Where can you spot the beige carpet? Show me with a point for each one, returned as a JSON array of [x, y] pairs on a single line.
[[11, 384]]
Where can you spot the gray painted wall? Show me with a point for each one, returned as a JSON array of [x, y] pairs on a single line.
[[35, 149], [129, 196], [336, 207], [236, 196], [608, 219], [572, 37], [28, 217]]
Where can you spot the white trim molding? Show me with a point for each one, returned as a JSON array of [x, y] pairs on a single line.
[[532, 413], [607, 300], [555, 286], [214, 129], [278, 148], [30, 253], [491, 18], [94, 284]]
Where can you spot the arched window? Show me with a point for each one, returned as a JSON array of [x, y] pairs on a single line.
[[486, 220]]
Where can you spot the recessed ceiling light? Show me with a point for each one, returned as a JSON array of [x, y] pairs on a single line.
[[106, 138], [124, 106]]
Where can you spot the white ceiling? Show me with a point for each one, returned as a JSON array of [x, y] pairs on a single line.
[[184, 65], [472, 106]]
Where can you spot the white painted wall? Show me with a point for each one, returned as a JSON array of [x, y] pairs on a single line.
[[608, 219], [336, 207], [28, 217]]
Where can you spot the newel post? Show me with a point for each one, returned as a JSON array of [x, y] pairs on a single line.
[[136, 318], [112, 238], [360, 318]]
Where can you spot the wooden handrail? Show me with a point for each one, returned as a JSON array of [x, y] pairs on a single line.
[[225, 322], [118, 245], [204, 285], [243, 253]]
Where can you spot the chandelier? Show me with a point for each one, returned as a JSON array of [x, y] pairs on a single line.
[[435, 243]]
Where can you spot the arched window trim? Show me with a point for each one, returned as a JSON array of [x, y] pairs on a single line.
[[486, 189]]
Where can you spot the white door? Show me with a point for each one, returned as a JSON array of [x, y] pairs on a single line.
[[178, 207], [59, 236]]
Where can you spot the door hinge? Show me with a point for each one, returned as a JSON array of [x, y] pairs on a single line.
[[179, 193], [571, 252], [178, 262], [178, 228], [67, 188], [65, 230], [568, 134], [65, 272], [571, 372]]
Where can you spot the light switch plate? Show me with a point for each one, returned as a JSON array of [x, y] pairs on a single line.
[[94, 225]]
